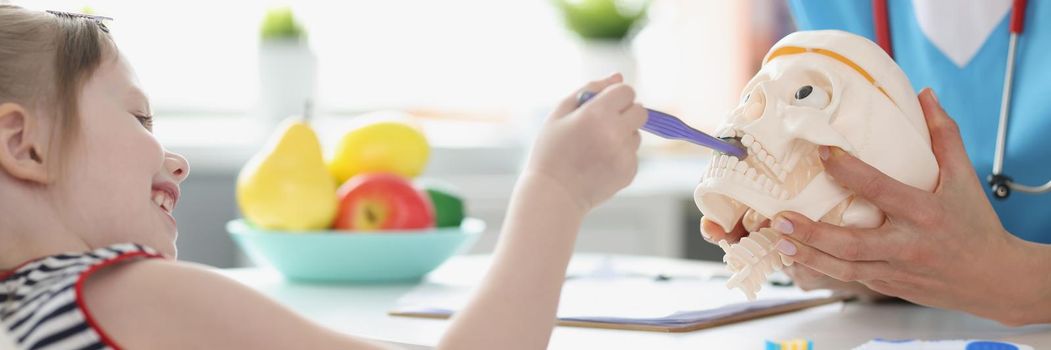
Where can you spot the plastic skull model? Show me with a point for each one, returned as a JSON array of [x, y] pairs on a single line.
[[815, 88]]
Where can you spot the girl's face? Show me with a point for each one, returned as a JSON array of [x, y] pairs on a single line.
[[119, 184]]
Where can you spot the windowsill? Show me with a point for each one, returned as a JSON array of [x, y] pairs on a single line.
[[223, 143], [469, 152]]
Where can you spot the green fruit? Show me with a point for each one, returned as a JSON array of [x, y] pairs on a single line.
[[448, 208]]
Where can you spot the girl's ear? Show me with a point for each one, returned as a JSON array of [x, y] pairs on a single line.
[[21, 149]]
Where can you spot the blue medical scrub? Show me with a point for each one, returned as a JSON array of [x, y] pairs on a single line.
[[972, 94]]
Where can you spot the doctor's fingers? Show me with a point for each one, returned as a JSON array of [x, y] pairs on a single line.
[[946, 142], [893, 197], [808, 279], [894, 288], [846, 271], [850, 244]]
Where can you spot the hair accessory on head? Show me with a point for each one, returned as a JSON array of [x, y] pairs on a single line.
[[98, 19]]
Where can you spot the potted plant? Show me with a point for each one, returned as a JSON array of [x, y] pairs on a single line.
[[605, 28], [287, 66]]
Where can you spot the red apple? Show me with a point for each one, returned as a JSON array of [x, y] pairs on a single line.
[[381, 201]]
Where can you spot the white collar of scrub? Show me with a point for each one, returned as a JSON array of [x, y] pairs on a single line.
[[961, 34]]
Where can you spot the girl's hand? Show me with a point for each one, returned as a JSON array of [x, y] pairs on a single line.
[[590, 151], [945, 249], [583, 155]]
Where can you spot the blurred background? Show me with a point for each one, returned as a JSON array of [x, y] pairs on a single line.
[[480, 77]]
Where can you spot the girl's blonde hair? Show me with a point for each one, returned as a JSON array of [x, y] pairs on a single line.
[[45, 59]]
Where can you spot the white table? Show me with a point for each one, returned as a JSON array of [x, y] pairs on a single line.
[[362, 311]]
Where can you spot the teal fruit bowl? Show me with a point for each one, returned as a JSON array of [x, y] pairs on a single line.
[[349, 256]]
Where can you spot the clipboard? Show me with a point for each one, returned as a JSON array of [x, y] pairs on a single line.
[[726, 315], [638, 304]]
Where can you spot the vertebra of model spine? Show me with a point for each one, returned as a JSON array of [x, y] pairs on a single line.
[[753, 259]]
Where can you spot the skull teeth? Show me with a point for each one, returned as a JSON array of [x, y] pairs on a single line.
[[747, 140], [753, 258], [761, 170], [729, 167], [728, 131]]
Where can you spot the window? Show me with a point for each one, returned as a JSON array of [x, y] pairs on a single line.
[[198, 57], [201, 56]]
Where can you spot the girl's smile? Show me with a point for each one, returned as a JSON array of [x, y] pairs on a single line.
[[165, 195]]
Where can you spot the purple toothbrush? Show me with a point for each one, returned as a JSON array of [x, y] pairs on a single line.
[[672, 128]]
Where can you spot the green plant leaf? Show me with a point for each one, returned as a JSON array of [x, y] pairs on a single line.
[[602, 19], [280, 23]]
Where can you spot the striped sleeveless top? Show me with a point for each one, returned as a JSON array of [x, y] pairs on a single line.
[[41, 302]]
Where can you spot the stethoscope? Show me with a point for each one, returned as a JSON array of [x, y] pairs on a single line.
[[1001, 184]]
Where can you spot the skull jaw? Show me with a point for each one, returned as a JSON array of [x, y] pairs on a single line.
[[725, 199]]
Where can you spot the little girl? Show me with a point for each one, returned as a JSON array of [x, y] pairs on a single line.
[[87, 238]]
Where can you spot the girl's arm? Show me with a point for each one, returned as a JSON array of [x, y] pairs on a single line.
[[162, 304], [515, 305], [583, 156]]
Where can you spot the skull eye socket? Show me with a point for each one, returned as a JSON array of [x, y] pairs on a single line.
[[811, 96]]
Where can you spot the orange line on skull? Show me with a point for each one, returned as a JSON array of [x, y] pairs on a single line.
[[793, 50]]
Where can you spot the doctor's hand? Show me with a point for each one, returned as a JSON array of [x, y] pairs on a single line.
[[590, 151], [944, 249], [803, 277]]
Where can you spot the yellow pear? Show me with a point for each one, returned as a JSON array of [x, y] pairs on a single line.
[[287, 186]]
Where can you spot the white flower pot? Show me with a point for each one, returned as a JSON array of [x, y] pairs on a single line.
[[287, 79], [599, 58]]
